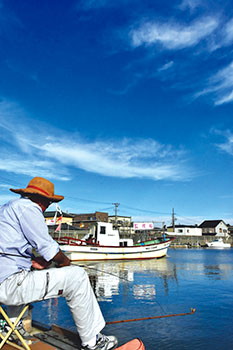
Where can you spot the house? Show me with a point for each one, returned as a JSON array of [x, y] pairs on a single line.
[[214, 228], [184, 230], [87, 220], [52, 219]]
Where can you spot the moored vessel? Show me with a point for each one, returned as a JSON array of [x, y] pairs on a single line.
[[105, 244], [218, 243]]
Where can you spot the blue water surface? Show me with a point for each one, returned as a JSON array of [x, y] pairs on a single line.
[[185, 279]]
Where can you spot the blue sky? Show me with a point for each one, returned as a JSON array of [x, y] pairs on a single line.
[[121, 101]]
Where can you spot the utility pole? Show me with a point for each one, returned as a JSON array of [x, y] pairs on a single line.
[[116, 206], [173, 219]]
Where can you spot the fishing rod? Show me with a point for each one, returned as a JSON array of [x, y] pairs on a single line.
[[119, 277], [152, 317], [17, 255], [98, 270], [84, 266]]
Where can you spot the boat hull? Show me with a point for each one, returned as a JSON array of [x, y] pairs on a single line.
[[224, 245], [95, 253], [218, 243]]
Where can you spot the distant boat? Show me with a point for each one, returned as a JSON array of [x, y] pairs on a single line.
[[105, 244], [218, 243]]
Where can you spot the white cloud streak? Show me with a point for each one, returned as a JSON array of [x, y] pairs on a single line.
[[166, 66], [127, 159], [226, 146], [220, 85], [190, 5], [228, 33], [173, 36], [38, 153]]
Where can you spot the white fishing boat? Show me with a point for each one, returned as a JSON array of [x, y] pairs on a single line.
[[104, 243], [218, 243]]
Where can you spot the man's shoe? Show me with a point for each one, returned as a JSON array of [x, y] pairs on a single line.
[[103, 343]]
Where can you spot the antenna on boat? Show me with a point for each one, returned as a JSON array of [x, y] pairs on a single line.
[[116, 206]]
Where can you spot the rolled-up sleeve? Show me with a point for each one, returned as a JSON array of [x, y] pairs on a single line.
[[35, 230]]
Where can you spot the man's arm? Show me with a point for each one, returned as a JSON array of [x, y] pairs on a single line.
[[61, 259]]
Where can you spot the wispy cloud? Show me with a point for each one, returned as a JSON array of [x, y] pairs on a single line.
[[126, 159], [228, 33], [173, 36], [220, 86], [4, 186], [38, 153], [166, 66], [227, 145], [190, 5]]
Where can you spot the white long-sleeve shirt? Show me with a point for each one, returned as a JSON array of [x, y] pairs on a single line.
[[22, 228]]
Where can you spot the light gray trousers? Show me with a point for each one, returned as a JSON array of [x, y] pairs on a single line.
[[71, 282]]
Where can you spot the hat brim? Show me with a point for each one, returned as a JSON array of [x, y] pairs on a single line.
[[25, 191]]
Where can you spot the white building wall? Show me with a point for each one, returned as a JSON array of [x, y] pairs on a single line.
[[188, 231], [222, 230]]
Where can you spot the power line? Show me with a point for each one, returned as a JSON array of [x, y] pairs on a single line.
[[145, 210], [87, 200]]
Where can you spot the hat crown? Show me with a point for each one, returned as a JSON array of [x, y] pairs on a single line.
[[41, 185]]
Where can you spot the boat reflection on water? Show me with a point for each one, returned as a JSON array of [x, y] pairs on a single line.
[[106, 277]]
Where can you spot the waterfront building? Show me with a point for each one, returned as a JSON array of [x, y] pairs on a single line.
[[86, 220], [52, 218], [216, 228], [184, 230]]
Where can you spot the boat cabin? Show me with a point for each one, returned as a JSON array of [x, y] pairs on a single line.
[[102, 233]]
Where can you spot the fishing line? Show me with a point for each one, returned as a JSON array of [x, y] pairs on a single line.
[[98, 270], [88, 267], [121, 278]]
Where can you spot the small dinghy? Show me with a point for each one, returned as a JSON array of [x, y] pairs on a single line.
[[135, 344]]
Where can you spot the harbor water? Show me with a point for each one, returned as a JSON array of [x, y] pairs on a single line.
[[185, 279]]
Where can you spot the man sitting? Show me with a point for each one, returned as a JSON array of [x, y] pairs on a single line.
[[22, 228]]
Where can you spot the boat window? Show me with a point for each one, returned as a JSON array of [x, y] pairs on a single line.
[[125, 244], [102, 230]]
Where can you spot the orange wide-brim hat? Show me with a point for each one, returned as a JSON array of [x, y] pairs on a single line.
[[40, 186]]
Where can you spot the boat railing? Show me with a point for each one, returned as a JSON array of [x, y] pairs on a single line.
[[73, 241], [70, 241]]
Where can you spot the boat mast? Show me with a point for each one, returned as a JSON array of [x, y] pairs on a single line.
[[116, 206]]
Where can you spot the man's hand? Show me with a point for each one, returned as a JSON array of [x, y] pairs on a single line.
[[61, 259], [40, 263]]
